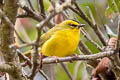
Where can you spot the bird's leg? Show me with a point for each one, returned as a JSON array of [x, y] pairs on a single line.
[[41, 57], [75, 55]]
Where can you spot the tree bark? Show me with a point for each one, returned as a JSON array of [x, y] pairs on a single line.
[[7, 38]]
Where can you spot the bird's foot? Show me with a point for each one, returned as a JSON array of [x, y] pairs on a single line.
[[56, 59], [75, 55]]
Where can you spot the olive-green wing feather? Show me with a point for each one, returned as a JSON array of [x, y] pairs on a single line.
[[47, 35]]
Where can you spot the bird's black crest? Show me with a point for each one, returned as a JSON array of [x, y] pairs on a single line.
[[75, 20]]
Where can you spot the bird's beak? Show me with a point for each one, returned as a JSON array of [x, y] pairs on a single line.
[[81, 25]]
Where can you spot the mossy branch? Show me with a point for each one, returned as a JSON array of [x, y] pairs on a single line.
[[7, 38]]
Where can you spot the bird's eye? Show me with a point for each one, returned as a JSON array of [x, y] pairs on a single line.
[[73, 25]]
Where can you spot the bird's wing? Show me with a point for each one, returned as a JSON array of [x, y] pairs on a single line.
[[48, 35]]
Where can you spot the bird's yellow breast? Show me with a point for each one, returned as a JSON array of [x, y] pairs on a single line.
[[62, 43]]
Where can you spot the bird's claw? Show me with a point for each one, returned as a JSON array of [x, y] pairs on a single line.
[[56, 59]]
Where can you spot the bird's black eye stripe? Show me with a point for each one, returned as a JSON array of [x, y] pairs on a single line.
[[73, 25]]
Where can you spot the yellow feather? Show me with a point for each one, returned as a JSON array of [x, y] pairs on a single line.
[[62, 41]]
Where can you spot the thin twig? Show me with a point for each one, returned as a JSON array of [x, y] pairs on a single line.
[[87, 36], [2, 14], [31, 6], [31, 13], [76, 70], [43, 74], [19, 37], [52, 3], [66, 70], [35, 57], [21, 55], [86, 51], [23, 15], [41, 25], [84, 48], [57, 10], [26, 45], [91, 15], [41, 8]]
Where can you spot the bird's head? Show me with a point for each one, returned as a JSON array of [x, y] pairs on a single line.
[[71, 24]]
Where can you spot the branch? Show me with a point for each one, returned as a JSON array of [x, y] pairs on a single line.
[[2, 14], [91, 15], [84, 48], [21, 55], [43, 74], [67, 71], [35, 57], [80, 57], [41, 8], [31, 13], [26, 45], [29, 1]]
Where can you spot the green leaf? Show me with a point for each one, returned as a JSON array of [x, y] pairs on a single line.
[[47, 4], [110, 4], [118, 4]]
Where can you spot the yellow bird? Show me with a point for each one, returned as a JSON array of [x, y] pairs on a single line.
[[62, 40]]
